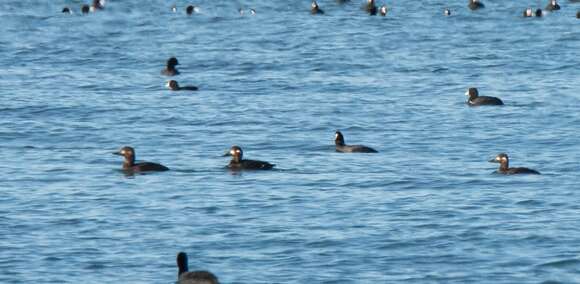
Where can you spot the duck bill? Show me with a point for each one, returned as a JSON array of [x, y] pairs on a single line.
[[117, 153], [493, 160], [226, 154]]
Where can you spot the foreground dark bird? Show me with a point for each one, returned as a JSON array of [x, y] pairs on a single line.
[[129, 164], [238, 163], [343, 148], [315, 9], [174, 86], [504, 168], [476, 100], [193, 277], [170, 69], [475, 4]]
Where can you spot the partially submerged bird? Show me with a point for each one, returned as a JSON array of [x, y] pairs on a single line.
[[174, 86], [504, 168], [383, 10], [239, 163], [170, 69], [131, 166], [315, 9], [476, 100], [184, 276], [343, 148], [370, 7], [475, 4], [552, 6]]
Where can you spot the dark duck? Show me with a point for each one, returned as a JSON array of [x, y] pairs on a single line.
[[238, 163], [174, 86], [130, 165], [370, 7], [552, 6], [170, 69], [315, 9], [474, 99], [475, 5], [343, 148], [504, 166], [184, 276]]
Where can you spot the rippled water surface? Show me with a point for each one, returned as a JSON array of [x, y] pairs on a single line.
[[426, 209]]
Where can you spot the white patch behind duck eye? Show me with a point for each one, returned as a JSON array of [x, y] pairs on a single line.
[[196, 9], [467, 93]]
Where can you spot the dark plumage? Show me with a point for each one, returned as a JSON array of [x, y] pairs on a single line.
[[343, 148], [193, 277], [504, 168], [174, 86], [238, 163], [85, 9], [66, 10], [475, 4], [191, 9], [371, 8], [538, 12], [552, 6], [476, 100], [578, 15], [315, 9], [129, 164], [170, 69], [97, 5]]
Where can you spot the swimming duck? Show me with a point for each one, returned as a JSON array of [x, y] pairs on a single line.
[[170, 69], [504, 168], [476, 100], [343, 148], [370, 7], [130, 165], [552, 6], [315, 9], [475, 4], [174, 86], [238, 163]]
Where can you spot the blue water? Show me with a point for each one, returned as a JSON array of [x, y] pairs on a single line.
[[426, 209]]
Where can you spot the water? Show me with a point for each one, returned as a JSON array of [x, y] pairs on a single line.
[[426, 209]]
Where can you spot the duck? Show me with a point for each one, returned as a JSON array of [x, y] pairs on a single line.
[[504, 168], [130, 165], [343, 148], [528, 13], [315, 9], [475, 5], [552, 6], [174, 86], [170, 69], [239, 163], [370, 7], [184, 276], [474, 99], [383, 10]]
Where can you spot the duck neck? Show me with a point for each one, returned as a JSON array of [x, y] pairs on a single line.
[[129, 162], [504, 166]]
